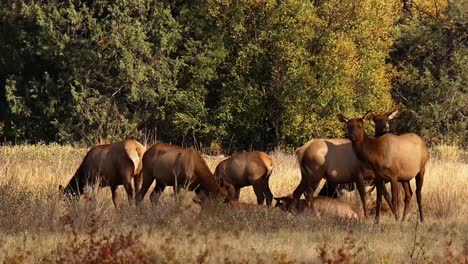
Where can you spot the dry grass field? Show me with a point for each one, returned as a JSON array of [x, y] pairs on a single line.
[[36, 226]]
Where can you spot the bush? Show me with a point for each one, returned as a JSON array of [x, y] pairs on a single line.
[[97, 247]]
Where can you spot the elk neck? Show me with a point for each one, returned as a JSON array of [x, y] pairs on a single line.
[[365, 148], [206, 177]]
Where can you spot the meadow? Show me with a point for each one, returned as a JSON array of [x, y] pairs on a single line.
[[37, 226]]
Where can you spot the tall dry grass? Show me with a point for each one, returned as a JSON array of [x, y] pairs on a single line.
[[37, 226]]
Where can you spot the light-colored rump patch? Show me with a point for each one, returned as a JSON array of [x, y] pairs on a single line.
[[270, 167], [300, 150], [133, 155]]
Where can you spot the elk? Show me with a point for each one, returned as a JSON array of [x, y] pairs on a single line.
[[382, 126], [109, 165], [319, 206], [392, 158], [171, 165], [335, 161], [245, 169]]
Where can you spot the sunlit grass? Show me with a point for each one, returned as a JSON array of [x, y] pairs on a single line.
[[35, 222]]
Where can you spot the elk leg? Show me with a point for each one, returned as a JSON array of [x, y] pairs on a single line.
[[362, 193], [258, 189], [329, 190], [395, 191], [266, 189], [137, 182], [408, 195], [310, 198], [297, 194], [114, 194], [129, 189], [419, 184], [147, 181], [268, 194], [379, 186], [387, 197], [156, 193], [309, 192], [237, 194]]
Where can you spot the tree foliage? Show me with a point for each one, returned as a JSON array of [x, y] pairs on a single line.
[[247, 74], [76, 70], [431, 56]]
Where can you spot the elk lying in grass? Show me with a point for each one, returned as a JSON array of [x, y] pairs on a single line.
[[392, 158], [335, 161], [320, 206], [245, 169], [109, 165], [171, 165]]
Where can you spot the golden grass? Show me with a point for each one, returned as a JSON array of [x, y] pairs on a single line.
[[36, 225]]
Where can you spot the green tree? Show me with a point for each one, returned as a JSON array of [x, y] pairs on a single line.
[[431, 56], [248, 74], [292, 66], [80, 71]]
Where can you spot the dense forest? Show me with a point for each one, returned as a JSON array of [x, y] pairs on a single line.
[[230, 74]]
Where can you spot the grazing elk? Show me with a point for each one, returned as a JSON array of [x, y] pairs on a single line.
[[109, 165], [335, 161], [245, 169], [175, 166], [392, 158], [319, 206]]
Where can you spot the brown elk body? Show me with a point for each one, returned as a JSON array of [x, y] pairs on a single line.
[[335, 161], [382, 126], [171, 165], [245, 169], [109, 165], [321, 206], [392, 158]]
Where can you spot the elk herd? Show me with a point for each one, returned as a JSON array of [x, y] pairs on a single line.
[[360, 159]]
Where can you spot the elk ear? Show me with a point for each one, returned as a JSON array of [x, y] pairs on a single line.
[[342, 118], [368, 116], [197, 200], [392, 115]]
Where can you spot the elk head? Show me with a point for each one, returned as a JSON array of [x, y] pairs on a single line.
[[381, 122], [355, 126]]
